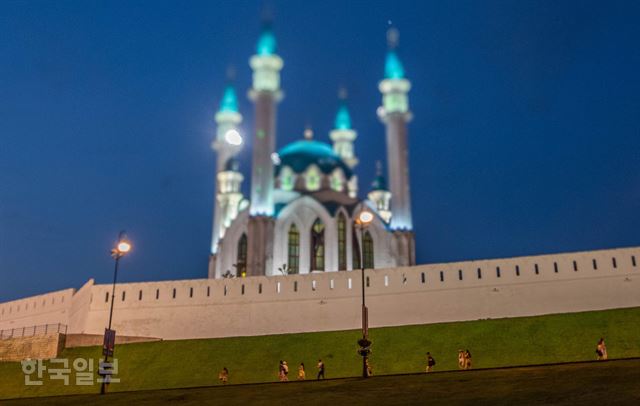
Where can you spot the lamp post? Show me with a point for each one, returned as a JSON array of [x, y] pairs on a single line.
[[123, 246], [362, 221]]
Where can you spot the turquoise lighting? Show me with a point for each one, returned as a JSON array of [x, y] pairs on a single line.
[[343, 119], [393, 68], [229, 100], [266, 43]]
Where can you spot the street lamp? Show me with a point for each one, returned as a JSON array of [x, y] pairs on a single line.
[[123, 246], [362, 221]]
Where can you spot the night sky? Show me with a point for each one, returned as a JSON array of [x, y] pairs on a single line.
[[525, 138]]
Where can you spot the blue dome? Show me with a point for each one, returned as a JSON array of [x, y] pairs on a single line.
[[379, 183], [232, 164], [300, 154], [229, 101], [393, 68], [267, 42]]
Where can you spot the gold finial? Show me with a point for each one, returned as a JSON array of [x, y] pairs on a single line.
[[342, 93], [308, 133], [393, 37], [231, 73]]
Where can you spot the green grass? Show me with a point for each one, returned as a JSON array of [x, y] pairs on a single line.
[[612, 382], [493, 343]]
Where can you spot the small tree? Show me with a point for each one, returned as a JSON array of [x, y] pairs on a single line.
[[285, 270]]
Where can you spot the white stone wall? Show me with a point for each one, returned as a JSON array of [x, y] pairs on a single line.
[[329, 301]]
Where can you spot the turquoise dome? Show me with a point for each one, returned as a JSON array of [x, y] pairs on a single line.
[[299, 155], [379, 183], [343, 119], [393, 68], [232, 164], [229, 100], [266, 42]]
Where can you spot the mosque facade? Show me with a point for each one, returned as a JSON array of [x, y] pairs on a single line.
[[301, 215]]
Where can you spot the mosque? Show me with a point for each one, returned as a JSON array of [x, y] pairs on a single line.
[[301, 215]]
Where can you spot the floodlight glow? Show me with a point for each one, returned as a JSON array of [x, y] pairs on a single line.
[[275, 158], [124, 247], [233, 137], [365, 217]]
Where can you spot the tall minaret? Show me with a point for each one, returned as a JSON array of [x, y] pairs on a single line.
[[265, 93], [395, 114], [343, 137], [226, 144], [380, 195]]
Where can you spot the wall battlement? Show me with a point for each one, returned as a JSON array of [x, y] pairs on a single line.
[[200, 308]]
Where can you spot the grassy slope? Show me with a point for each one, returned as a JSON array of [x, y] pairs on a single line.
[[521, 341]]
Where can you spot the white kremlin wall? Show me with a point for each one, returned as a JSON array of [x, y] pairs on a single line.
[[423, 294]]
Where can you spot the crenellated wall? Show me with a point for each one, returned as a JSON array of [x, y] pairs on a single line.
[[202, 308]]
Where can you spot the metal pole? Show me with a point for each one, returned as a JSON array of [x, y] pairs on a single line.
[[365, 372], [103, 387]]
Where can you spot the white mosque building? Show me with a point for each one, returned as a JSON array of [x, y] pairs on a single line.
[[300, 217]]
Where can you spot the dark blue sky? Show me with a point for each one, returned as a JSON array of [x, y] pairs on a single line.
[[525, 139]]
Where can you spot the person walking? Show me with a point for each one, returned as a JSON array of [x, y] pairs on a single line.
[[369, 368], [301, 373], [467, 359], [285, 371], [223, 376], [281, 371], [431, 362], [461, 359], [320, 369], [601, 350]]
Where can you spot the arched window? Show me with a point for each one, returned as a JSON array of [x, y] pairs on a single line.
[[355, 251], [312, 178], [241, 263], [368, 251], [317, 246], [294, 250], [342, 242], [336, 180], [287, 178]]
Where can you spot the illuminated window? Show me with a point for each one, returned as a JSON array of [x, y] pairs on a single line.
[[312, 178], [294, 250], [342, 242], [336, 181], [317, 246], [287, 179], [368, 251], [241, 263]]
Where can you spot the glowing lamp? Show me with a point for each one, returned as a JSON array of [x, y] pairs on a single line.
[[124, 247], [365, 218], [233, 137]]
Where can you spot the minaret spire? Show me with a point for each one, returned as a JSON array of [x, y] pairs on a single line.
[[265, 93], [343, 137], [227, 144], [395, 114]]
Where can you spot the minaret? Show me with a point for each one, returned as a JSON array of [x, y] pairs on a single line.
[[226, 144], [265, 94], [380, 195], [342, 134], [395, 114], [343, 137]]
